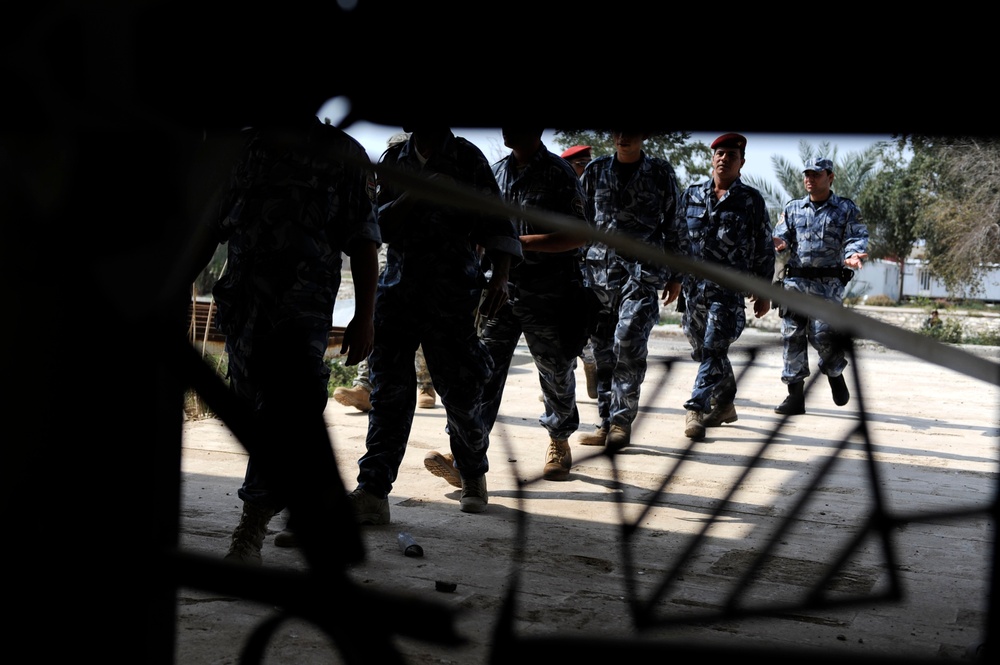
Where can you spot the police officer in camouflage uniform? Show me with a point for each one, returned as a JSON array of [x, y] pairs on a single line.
[[578, 157], [293, 206], [825, 239], [723, 221], [359, 394], [633, 194], [428, 294], [544, 289]]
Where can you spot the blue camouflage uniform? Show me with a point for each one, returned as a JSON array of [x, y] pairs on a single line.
[[735, 232], [643, 209], [362, 377], [544, 298], [818, 236], [290, 211], [428, 294]]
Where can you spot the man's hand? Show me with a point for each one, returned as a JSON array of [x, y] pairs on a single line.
[[496, 296], [779, 244], [854, 260], [358, 338], [670, 292], [761, 306]]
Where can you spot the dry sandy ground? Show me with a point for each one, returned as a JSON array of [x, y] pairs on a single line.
[[670, 541]]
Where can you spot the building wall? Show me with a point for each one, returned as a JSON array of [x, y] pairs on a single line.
[[882, 278]]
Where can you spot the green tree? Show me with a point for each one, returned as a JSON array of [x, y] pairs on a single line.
[[960, 212], [852, 172], [213, 271], [691, 160], [890, 202]]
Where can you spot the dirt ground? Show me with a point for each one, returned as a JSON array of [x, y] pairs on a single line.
[[718, 543]]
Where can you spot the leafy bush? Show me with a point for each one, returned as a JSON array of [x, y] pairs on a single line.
[[949, 332], [973, 305], [989, 338], [923, 302], [195, 408], [340, 374], [880, 300]]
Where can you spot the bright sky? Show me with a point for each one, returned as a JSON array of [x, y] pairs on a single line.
[[760, 147]]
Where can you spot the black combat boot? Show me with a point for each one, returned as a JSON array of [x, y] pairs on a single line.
[[795, 403], [841, 395]]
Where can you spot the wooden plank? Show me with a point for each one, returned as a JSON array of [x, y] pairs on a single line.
[[201, 319]]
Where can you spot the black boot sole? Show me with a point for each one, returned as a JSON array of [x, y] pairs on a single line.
[[789, 410]]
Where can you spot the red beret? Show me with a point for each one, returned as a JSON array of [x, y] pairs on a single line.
[[730, 140], [575, 150]]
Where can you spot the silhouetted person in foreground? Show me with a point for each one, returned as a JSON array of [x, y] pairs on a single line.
[[294, 203]]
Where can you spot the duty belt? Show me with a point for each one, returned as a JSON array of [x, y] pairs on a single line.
[[843, 274], [814, 272]]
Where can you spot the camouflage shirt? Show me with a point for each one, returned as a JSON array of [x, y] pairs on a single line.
[[822, 236], [292, 206], [437, 242], [548, 183], [734, 232], [643, 209]]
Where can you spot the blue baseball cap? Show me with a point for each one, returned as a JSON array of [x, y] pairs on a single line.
[[818, 165]]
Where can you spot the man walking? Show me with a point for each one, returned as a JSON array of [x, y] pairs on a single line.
[[544, 300], [294, 204], [428, 294], [358, 395], [722, 221], [635, 195], [579, 156], [826, 241]]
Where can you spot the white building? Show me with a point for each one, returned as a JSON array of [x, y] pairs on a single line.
[[882, 278]]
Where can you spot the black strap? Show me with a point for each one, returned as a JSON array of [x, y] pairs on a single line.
[[844, 274], [813, 272]]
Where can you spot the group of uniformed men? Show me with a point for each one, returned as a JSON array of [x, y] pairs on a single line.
[[569, 297]]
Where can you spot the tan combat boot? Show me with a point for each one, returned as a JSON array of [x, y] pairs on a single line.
[[356, 396], [443, 466], [598, 438], [558, 460], [248, 537], [426, 397], [725, 413], [694, 426], [590, 373], [618, 437]]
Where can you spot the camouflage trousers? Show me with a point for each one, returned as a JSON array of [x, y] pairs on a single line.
[[798, 332], [281, 378], [533, 317], [444, 324], [419, 364], [621, 347], [363, 377], [714, 318]]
